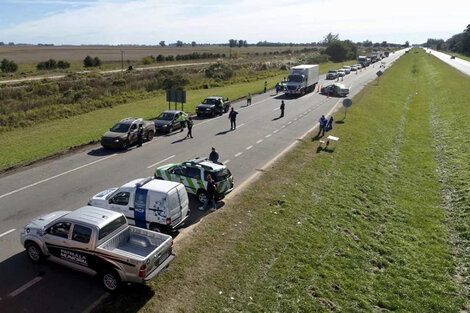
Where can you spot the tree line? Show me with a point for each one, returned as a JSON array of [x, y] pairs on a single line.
[[459, 43]]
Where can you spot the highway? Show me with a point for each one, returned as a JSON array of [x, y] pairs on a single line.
[[459, 64], [68, 182]]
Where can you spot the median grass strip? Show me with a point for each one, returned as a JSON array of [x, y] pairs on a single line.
[[369, 227]]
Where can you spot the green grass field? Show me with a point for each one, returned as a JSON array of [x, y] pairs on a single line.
[[380, 224]]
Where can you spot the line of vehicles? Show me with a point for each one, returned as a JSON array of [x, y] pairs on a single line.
[[121, 235]]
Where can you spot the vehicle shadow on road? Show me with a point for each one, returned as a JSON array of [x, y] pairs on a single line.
[[131, 297], [104, 152]]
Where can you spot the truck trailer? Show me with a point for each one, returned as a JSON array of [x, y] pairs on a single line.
[[302, 79]]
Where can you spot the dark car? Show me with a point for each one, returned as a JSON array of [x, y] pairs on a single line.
[[124, 134], [168, 121], [452, 57], [335, 90], [209, 107]]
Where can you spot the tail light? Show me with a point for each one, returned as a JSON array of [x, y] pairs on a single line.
[[168, 220], [142, 271]]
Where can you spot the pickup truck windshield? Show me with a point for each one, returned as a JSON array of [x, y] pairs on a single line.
[[108, 229], [120, 128], [165, 116], [295, 78], [210, 101]]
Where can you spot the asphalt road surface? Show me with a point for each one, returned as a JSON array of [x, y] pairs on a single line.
[[68, 182], [458, 63]]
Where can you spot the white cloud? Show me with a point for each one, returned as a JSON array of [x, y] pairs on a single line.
[[149, 21]]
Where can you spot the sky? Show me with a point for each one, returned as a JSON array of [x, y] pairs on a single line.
[[113, 22]]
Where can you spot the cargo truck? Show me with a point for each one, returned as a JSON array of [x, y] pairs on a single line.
[[302, 79]]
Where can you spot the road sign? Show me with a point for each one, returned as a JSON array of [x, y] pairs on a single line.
[[173, 95], [379, 73], [347, 102]]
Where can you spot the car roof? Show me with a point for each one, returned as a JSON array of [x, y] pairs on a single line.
[[93, 216], [214, 97], [206, 163], [130, 120], [171, 111], [150, 183]]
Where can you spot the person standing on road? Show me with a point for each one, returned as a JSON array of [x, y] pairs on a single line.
[[190, 127], [278, 87], [140, 135], [233, 119], [182, 120], [220, 106], [210, 194], [329, 126], [322, 122], [282, 108], [265, 86], [248, 99], [214, 156]]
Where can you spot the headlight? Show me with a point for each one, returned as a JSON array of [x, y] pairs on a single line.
[[164, 126], [208, 109], [116, 140]]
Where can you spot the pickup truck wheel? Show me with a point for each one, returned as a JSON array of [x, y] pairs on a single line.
[[34, 252], [226, 109], [150, 135], [201, 196], [110, 280]]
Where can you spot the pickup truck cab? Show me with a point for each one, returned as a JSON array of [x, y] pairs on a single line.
[[125, 133], [98, 242], [158, 205], [332, 74], [210, 106]]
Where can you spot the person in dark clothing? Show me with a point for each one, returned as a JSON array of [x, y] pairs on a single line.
[[233, 119], [214, 156], [329, 126], [278, 88], [265, 86], [322, 122], [210, 194], [140, 135], [282, 108], [190, 127]]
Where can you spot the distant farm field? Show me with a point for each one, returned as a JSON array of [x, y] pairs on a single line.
[[32, 54]]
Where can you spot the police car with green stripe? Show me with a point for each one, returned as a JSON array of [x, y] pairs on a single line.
[[193, 174]]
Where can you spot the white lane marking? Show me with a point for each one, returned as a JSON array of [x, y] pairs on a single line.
[[260, 141], [226, 161], [283, 126], [24, 287], [240, 125], [58, 175], [238, 154], [276, 109], [7, 232], [249, 147], [150, 166], [295, 119], [289, 123], [275, 131], [267, 136]]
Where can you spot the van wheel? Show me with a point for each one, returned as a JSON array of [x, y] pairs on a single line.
[[150, 135], [34, 252], [201, 196], [110, 280]]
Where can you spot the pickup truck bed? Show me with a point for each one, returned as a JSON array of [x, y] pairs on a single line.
[[135, 243]]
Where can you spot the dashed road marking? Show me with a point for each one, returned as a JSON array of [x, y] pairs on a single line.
[[289, 123], [226, 161], [154, 164], [260, 141], [24, 287], [249, 147], [267, 136], [283, 126], [275, 131], [238, 154], [7, 232]]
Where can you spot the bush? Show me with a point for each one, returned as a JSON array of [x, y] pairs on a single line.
[[169, 58], [119, 82], [91, 62], [8, 66], [160, 58], [50, 64], [63, 64], [219, 71], [148, 60]]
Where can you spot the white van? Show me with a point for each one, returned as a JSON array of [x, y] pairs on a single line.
[[158, 205]]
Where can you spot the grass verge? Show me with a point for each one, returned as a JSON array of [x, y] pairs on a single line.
[[380, 224]]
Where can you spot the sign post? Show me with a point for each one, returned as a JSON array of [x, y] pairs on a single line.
[[379, 73], [176, 95], [346, 103]]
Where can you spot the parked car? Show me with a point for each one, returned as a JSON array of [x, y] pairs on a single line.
[[335, 90], [163, 204], [332, 74], [98, 242], [209, 107], [124, 134], [347, 69], [353, 68], [341, 73], [168, 121], [193, 173]]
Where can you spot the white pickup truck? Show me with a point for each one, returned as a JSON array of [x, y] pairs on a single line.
[[98, 242]]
